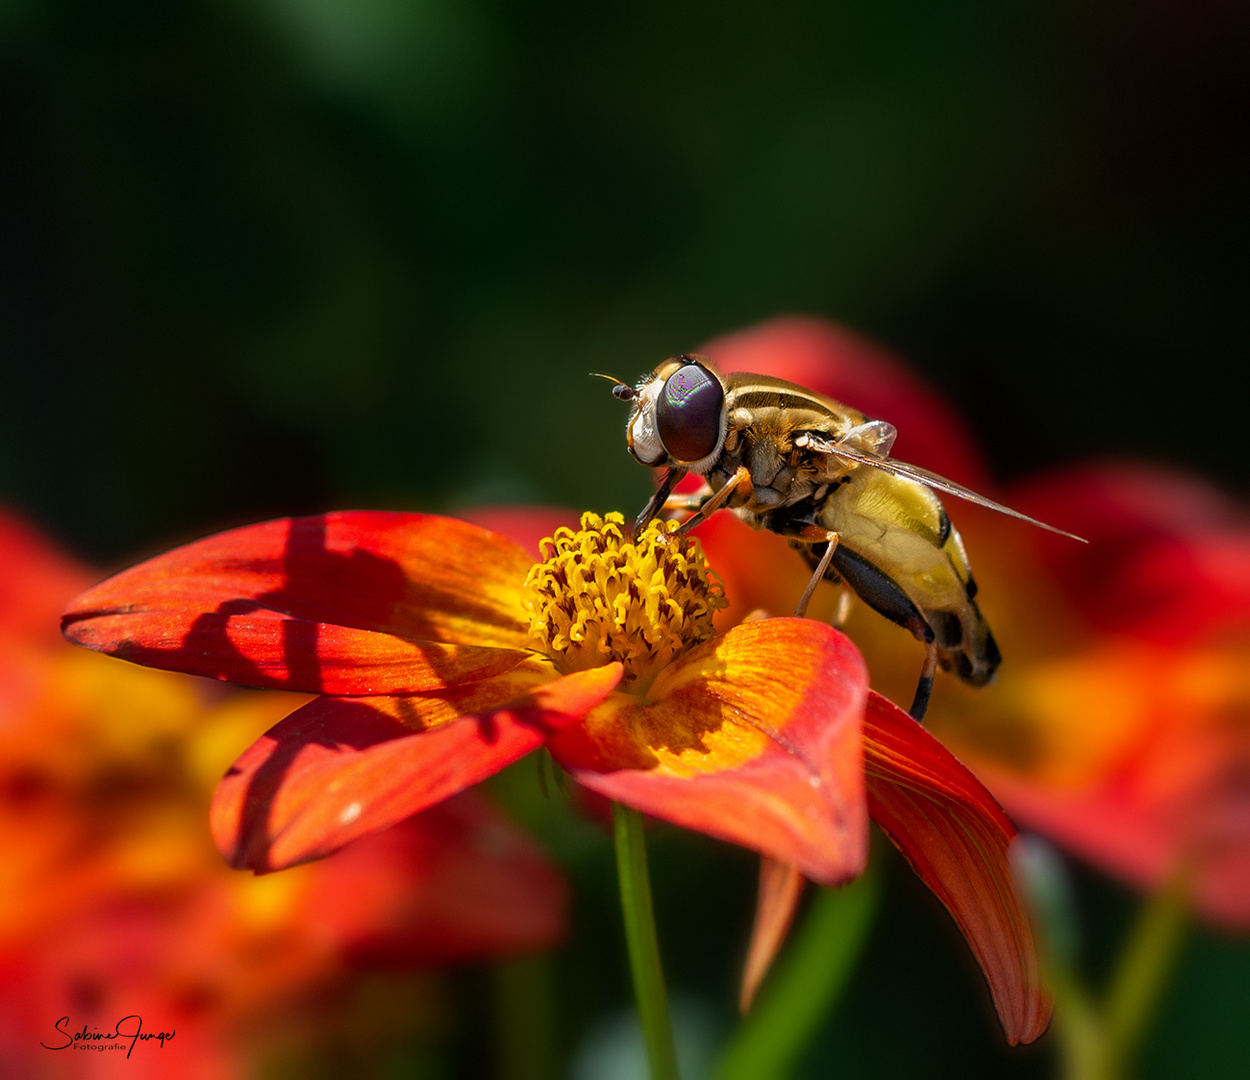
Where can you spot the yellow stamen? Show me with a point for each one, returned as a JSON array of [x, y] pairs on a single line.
[[598, 596]]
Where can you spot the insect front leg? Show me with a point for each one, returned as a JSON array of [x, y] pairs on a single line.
[[670, 481], [740, 481], [687, 502]]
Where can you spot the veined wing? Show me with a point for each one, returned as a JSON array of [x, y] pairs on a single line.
[[924, 476]]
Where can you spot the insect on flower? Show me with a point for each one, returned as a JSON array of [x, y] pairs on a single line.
[[818, 473]]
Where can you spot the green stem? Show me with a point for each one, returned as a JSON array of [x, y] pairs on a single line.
[[1078, 1027], [1141, 975], [805, 985], [1100, 1039], [644, 950]]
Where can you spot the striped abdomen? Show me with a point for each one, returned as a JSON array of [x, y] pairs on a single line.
[[900, 554]]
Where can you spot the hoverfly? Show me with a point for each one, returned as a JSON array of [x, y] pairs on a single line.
[[817, 472]]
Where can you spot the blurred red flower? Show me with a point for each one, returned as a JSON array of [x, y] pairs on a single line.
[[114, 902], [1119, 724]]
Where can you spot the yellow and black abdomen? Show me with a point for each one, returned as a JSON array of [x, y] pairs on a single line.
[[900, 554]]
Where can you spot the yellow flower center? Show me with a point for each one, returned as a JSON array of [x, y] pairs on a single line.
[[600, 596]]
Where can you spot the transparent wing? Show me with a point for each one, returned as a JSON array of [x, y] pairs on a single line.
[[872, 436], [924, 476]]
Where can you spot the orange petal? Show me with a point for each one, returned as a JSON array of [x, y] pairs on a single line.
[[348, 603], [781, 887], [955, 836], [275, 652], [753, 737], [414, 575], [342, 767]]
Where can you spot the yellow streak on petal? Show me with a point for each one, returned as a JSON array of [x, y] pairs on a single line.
[[422, 712], [683, 736], [463, 585], [719, 707], [482, 617]]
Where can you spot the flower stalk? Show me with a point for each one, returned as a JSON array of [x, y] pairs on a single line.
[[1100, 1039], [1099, 1035], [806, 984], [640, 937]]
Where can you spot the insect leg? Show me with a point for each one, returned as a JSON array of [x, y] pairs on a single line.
[[740, 479], [924, 688], [687, 503], [830, 539], [670, 481], [882, 593]]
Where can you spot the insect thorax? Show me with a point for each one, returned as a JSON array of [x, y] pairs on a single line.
[[762, 439]]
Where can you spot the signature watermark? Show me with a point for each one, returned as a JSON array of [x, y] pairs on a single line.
[[125, 1034]]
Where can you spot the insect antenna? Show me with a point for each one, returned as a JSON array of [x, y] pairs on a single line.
[[622, 391]]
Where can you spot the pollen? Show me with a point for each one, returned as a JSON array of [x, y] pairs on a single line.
[[598, 595]]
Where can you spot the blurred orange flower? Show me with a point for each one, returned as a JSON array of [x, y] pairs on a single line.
[[1122, 730], [114, 901], [1119, 724]]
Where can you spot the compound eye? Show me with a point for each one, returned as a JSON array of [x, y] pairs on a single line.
[[688, 412]]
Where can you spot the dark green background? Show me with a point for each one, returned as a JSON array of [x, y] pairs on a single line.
[[290, 255]]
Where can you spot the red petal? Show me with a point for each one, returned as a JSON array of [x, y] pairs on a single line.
[[841, 364], [271, 651], [347, 603], [1168, 555], [342, 767], [753, 737], [37, 581], [955, 836], [781, 888], [1181, 805]]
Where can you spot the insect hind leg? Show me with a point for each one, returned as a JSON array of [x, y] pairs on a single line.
[[875, 587], [883, 594], [830, 540], [920, 702]]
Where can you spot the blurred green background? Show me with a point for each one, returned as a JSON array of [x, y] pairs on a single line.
[[283, 256]]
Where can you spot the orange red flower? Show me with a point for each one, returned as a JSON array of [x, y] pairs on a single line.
[[443, 655], [416, 630]]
